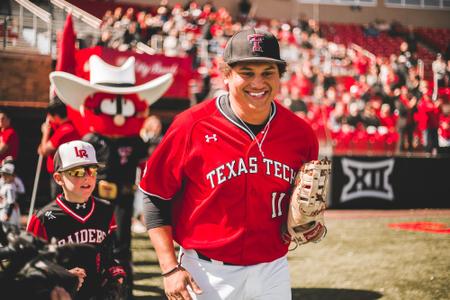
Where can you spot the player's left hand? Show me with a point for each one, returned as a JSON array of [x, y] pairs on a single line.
[[305, 222]]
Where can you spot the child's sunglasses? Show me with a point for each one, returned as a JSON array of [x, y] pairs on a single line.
[[82, 171]]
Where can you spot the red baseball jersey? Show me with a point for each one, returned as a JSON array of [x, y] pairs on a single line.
[[229, 188], [9, 136], [66, 132]]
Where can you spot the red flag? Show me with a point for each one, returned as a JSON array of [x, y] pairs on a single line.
[[66, 62], [66, 55]]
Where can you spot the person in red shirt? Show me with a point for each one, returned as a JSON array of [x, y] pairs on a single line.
[[9, 140], [406, 105], [428, 116], [56, 130], [444, 127], [361, 64], [387, 118], [219, 158], [300, 80]]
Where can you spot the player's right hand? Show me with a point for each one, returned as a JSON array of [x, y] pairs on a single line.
[[175, 285], [81, 274], [45, 127]]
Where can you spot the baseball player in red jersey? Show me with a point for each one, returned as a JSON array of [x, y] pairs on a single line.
[[76, 217], [219, 182]]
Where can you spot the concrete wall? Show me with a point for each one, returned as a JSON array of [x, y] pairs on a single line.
[[24, 77], [291, 9]]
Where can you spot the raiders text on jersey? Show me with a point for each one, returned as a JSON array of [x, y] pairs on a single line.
[[94, 236]]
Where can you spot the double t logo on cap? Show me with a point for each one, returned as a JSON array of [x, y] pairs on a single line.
[[256, 39], [252, 45]]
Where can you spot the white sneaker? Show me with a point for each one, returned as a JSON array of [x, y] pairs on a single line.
[[138, 227]]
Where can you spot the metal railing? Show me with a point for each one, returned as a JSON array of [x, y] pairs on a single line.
[[36, 12], [144, 48], [35, 26], [366, 52], [78, 13]]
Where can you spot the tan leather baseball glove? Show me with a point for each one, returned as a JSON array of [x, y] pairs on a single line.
[[305, 222]]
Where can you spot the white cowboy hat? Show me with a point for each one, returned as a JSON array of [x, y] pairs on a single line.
[[106, 78]]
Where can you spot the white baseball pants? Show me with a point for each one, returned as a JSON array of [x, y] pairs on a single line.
[[265, 281]]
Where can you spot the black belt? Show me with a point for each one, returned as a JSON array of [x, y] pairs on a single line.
[[204, 257]]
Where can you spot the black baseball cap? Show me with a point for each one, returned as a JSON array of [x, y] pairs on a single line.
[[252, 45]]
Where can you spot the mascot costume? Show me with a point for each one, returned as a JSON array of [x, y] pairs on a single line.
[[113, 109]]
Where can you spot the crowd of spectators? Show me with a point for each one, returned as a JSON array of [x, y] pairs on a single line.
[[355, 99]]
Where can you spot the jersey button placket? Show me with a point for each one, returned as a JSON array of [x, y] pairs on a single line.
[[252, 151]]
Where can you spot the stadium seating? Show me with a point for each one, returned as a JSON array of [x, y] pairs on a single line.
[[436, 37], [381, 43]]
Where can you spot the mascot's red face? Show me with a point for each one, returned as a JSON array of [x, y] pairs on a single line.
[[109, 103], [115, 115]]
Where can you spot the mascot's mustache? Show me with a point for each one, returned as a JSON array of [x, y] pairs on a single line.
[[116, 111], [118, 106]]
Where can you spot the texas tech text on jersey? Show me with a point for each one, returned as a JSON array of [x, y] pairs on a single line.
[[240, 166]]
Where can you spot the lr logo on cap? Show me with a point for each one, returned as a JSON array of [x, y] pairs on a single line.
[[256, 39], [80, 153]]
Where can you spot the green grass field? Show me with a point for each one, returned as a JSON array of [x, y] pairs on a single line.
[[361, 258]]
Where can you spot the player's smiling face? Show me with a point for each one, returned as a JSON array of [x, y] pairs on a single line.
[[252, 88]]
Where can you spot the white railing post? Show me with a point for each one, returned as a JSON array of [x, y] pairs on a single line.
[[84, 16], [156, 42], [203, 53], [34, 31], [421, 68], [5, 31], [145, 48], [20, 19], [50, 37]]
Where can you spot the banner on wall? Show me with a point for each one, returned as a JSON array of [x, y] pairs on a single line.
[[147, 67], [389, 182]]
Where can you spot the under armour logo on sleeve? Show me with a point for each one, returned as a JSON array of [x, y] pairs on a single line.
[[256, 39]]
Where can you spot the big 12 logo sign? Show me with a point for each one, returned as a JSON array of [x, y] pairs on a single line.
[[367, 179]]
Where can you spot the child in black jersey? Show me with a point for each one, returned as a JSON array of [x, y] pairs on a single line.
[[75, 216]]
